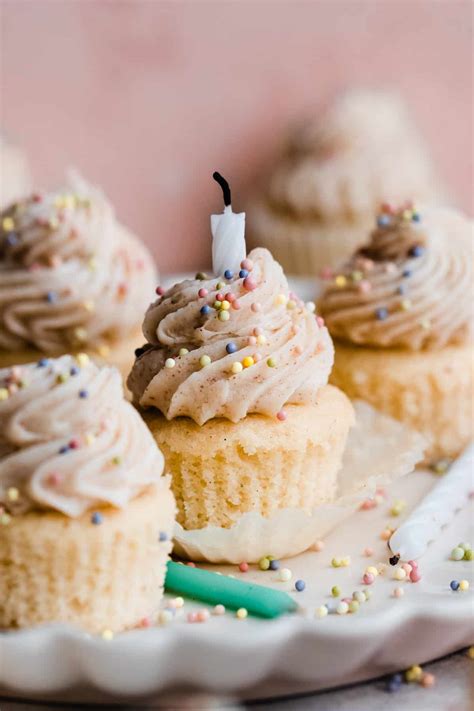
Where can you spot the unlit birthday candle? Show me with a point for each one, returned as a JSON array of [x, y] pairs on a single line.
[[411, 539], [228, 234]]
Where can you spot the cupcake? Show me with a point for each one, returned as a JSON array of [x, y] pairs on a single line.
[[72, 279], [233, 381], [86, 518], [15, 178], [336, 170], [400, 312]]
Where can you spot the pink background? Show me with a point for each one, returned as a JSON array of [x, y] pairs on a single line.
[[148, 98]]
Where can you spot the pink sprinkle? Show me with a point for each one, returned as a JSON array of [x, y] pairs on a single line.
[[140, 264], [35, 267], [281, 415], [407, 568], [389, 209], [398, 592], [320, 321], [220, 297], [368, 552], [250, 284], [191, 565], [236, 304], [202, 616], [145, 622], [202, 292], [367, 505], [55, 261], [256, 307], [252, 340], [192, 617], [326, 273], [246, 264], [380, 491], [159, 291], [243, 567], [415, 576], [257, 331], [298, 350], [318, 546], [54, 479], [413, 564], [427, 680], [230, 297], [346, 599], [365, 286], [36, 197], [257, 357], [368, 579], [74, 444]]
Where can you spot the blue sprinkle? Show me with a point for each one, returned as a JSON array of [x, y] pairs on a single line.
[[406, 273], [231, 347], [228, 274], [402, 289], [274, 564], [64, 449], [394, 683], [205, 310], [454, 585], [74, 370], [83, 394], [51, 297], [381, 314], [163, 536], [243, 273], [417, 251], [42, 363], [12, 239], [300, 585], [383, 220], [416, 217], [97, 518]]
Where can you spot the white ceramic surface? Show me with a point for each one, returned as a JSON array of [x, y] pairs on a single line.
[[255, 657]]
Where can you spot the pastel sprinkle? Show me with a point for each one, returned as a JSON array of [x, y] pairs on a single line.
[[342, 608], [398, 592], [107, 635], [218, 610], [264, 564], [399, 574], [321, 611], [281, 415], [223, 316], [335, 591], [236, 368], [241, 613], [454, 585], [427, 680], [247, 264], [285, 575], [457, 553], [231, 347], [464, 585], [250, 284], [381, 314], [97, 518], [228, 274], [204, 361], [183, 351], [205, 310], [202, 292], [248, 361], [415, 576], [170, 363], [271, 362], [243, 567], [243, 274], [368, 579], [274, 564], [300, 585], [413, 674]]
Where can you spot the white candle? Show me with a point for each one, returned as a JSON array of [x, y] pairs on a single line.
[[411, 539], [228, 235]]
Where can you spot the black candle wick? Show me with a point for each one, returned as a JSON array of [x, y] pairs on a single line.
[[224, 185]]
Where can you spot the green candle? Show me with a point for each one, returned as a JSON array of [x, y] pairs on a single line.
[[216, 589]]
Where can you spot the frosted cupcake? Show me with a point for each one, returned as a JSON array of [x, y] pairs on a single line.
[[15, 177], [72, 279], [86, 518], [320, 200], [400, 312], [234, 380]]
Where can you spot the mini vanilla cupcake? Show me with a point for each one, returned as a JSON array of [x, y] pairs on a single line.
[[400, 312], [320, 201], [86, 518], [72, 279], [234, 377], [15, 177]]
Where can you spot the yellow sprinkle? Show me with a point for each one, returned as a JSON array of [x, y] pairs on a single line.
[[89, 438], [178, 602], [407, 214], [8, 224], [13, 493], [92, 264], [357, 276], [53, 223], [89, 305], [225, 305], [80, 334], [248, 361], [406, 304], [425, 324], [103, 350], [82, 359], [5, 519], [261, 340], [3, 394], [414, 673], [236, 368], [107, 635], [290, 304], [217, 305], [223, 316], [372, 570], [62, 378], [204, 361], [346, 561], [241, 613], [183, 351], [116, 460], [464, 585], [336, 562], [340, 280], [470, 652], [281, 299]]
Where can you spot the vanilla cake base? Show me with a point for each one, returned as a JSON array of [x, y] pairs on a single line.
[[221, 470], [109, 576], [431, 391]]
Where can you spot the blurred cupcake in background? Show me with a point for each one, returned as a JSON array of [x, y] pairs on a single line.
[[15, 178], [334, 173], [400, 312], [72, 278]]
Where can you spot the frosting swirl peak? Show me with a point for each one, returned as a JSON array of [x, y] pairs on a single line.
[[69, 441], [230, 346], [70, 274], [409, 286]]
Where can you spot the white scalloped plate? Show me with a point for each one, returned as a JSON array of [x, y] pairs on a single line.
[[264, 658]]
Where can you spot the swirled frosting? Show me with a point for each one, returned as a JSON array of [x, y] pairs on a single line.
[[409, 287], [335, 167], [69, 441], [228, 347], [70, 274]]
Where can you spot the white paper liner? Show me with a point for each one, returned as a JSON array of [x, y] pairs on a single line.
[[379, 450]]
